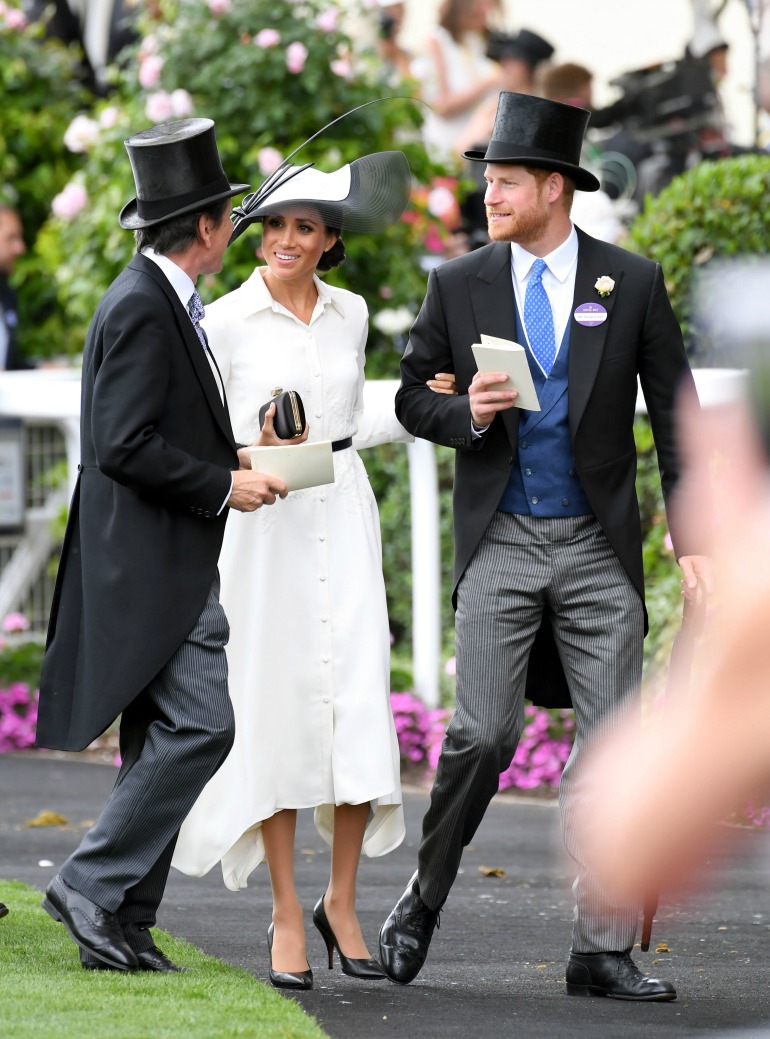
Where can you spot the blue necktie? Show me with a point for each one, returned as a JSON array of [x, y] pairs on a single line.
[[197, 311], [538, 318]]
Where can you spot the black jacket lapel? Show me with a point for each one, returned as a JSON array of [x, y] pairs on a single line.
[[586, 342], [193, 345]]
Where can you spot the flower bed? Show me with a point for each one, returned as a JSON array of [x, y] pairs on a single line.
[[543, 749]]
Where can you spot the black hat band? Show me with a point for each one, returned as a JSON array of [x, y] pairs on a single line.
[[499, 151], [149, 210]]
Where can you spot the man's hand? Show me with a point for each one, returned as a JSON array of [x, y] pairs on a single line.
[[488, 395], [252, 490], [697, 577], [443, 382]]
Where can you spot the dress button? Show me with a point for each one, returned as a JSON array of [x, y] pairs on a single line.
[[324, 620], [322, 577], [524, 445], [325, 660], [207, 514], [527, 472], [322, 537], [323, 497], [326, 699], [316, 373], [535, 501], [565, 501], [318, 414]]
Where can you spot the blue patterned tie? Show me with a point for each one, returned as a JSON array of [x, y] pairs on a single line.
[[197, 311], [538, 318]]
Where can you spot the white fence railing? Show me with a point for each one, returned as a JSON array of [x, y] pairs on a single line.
[[48, 401]]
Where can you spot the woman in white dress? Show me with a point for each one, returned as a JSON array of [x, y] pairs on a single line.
[[457, 73], [309, 650]]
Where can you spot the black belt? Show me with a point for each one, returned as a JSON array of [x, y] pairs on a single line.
[[340, 445]]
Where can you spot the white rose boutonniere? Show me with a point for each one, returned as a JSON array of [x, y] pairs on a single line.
[[604, 285]]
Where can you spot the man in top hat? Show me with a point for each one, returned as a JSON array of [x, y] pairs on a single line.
[[136, 628], [549, 590]]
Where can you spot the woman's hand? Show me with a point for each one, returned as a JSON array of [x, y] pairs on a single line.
[[267, 437], [444, 382]]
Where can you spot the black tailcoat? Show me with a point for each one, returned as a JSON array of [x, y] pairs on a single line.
[[144, 530]]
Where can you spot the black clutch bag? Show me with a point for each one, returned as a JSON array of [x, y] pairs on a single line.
[[289, 418]]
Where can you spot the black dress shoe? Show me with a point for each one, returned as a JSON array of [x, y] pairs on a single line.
[[613, 974], [93, 928], [283, 978], [3, 910], [153, 959], [368, 970], [405, 936]]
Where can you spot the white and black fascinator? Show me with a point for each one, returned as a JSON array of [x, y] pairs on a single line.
[[366, 195]]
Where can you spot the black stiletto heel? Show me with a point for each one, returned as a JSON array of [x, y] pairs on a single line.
[[368, 970], [287, 979]]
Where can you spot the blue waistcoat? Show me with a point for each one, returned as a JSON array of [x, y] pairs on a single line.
[[544, 482]]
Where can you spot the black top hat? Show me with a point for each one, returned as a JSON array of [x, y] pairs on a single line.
[[526, 45], [534, 131], [176, 169]]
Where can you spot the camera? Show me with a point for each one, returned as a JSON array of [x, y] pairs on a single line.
[[388, 26]]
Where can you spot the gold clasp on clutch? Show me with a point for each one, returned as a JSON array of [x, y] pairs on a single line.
[[276, 391]]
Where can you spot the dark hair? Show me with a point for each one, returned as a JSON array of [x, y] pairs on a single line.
[[178, 233], [332, 257]]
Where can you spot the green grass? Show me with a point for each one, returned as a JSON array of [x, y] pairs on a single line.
[[45, 994]]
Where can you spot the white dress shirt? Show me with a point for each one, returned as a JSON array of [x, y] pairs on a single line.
[[558, 282]]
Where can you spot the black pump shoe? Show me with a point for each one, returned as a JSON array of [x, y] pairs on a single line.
[[367, 970], [287, 979]]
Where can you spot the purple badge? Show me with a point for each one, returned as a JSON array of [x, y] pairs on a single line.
[[590, 314]]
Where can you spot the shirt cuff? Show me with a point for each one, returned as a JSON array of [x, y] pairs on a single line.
[[477, 433], [227, 497]]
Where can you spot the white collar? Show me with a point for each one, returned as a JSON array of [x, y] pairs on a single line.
[[560, 261], [255, 295], [180, 280]]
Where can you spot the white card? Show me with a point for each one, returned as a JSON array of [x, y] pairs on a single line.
[[298, 465], [503, 355]]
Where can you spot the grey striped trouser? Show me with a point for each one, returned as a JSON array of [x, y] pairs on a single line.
[[173, 738], [525, 566]]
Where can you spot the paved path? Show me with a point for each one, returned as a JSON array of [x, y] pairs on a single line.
[[496, 968]]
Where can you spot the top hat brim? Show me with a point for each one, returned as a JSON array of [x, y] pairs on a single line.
[[584, 180], [131, 221]]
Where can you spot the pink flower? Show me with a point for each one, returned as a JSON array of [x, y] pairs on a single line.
[[219, 7], [327, 20], [269, 159], [450, 668], [441, 202], [15, 622], [296, 56], [70, 201], [181, 103], [267, 38], [15, 19], [148, 46], [150, 70], [341, 67], [109, 117], [81, 134], [159, 107]]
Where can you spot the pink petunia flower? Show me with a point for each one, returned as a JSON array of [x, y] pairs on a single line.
[[327, 20], [14, 623], [341, 67], [181, 103], [269, 159], [159, 107], [81, 134]]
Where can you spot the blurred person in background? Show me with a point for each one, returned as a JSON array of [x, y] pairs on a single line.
[[397, 59], [12, 246], [456, 72]]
